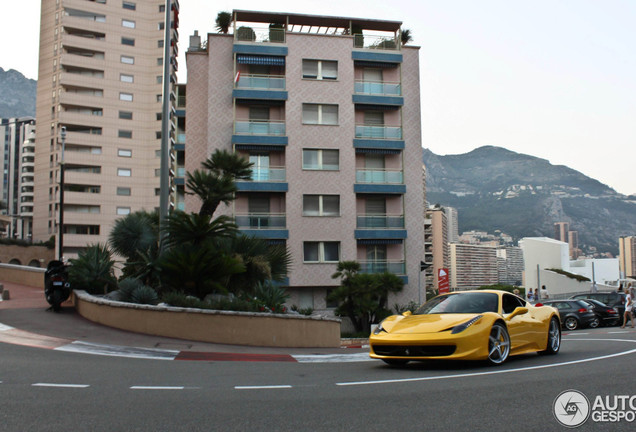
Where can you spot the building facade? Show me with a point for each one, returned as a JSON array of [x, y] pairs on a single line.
[[101, 79], [16, 190], [627, 256], [472, 266], [328, 111], [511, 265], [439, 242]]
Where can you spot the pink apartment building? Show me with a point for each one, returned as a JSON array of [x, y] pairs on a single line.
[[328, 110]]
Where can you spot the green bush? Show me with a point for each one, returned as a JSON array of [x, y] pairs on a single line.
[[144, 295], [303, 311]]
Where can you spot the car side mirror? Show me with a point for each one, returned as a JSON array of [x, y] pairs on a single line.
[[407, 313], [518, 311]]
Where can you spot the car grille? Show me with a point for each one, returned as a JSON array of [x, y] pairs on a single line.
[[414, 350]]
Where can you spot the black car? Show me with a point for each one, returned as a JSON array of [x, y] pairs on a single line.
[[574, 313], [614, 300], [608, 316]]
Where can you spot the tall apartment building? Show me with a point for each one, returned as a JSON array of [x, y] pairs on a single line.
[[328, 111], [561, 230], [472, 266], [101, 77], [627, 256], [452, 219], [439, 242], [17, 137], [511, 265]]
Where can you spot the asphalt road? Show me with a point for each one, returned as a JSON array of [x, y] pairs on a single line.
[[45, 390]]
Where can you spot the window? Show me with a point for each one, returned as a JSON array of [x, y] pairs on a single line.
[[127, 41], [123, 210], [321, 251], [161, 25], [128, 97], [320, 69], [320, 114], [124, 153], [129, 5], [127, 60], [124, 134], [316, 159], [126, 78], [124, 172], [160, 43], [159, 61], [162, 8], [321, 205], [125, 115], [123, 191], [128, 23], [159, 79]]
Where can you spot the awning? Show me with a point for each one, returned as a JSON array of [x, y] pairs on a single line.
[[370, 107], [379, 241], [374, 64], [377, 151], [256, 147], [266, 60]]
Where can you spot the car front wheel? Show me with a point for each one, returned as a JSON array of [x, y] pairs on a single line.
[[498, 344], [571, 323]]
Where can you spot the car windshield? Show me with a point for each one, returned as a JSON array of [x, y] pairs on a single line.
[[461, 303]]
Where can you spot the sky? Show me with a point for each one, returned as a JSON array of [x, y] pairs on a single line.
[[555, 79]]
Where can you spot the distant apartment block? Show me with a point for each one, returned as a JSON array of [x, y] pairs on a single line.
[[16, 190], [439, 242], [452, 219], [510, 265], [328, 111], [472, 266], [627, 256], [101, 78]]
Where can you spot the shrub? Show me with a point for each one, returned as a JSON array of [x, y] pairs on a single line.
[[144, 294], [303, 311]]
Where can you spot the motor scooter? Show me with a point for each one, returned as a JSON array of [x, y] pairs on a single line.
[[57, 288]]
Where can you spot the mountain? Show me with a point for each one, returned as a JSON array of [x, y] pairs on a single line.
[[17, 94], [523, 196]]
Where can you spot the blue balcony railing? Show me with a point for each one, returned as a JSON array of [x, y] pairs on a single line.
[[379, 176], [261, 82], [378, 132], [272, 174], [378, 88], [368, 221], [261, 220], [252, 127]]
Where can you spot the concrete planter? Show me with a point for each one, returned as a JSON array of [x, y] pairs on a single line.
[[223, 327]]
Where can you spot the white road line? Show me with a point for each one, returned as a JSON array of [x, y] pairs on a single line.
[[118, 351], [432, 378], [333, 358], [60, 385], [269, 387], [157, 387], [4, 327], [618, 332]]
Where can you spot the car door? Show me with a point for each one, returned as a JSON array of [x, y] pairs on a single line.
[[520, 327]]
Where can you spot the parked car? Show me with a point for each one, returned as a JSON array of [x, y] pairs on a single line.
[[608, 316], [574, 313], [614, 300]]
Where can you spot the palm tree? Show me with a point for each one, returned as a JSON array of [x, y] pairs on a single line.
[[135, 237], [223, 21], [406, 36], [93, 270], [196, 229]]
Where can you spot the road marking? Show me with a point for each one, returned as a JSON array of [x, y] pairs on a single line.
[[269, 387], [157, 387], [60, 385], [432, 378], [333, 358], [4, 327], [118, 351]]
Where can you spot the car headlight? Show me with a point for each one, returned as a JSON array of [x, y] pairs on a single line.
[[461, 327], [379, 329]]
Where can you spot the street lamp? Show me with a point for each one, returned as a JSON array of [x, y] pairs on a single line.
[[61, 218]]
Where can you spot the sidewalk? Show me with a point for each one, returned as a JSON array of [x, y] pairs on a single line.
[[26, 310]]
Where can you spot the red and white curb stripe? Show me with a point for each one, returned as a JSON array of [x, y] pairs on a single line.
[[15, 336]]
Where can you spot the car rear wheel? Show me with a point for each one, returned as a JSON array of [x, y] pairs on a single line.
[[395, 362], [571, 323], [595, 322], [554, 338], [498, 344]]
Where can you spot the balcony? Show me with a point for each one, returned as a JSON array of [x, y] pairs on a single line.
[[265, 128], [378, 132], [381, 266], [271, 174], [377, 88], [379, 221], [380, 176], [263, 225], [260, 87], [259, 35]]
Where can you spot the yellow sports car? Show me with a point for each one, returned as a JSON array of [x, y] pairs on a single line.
[[468, 325]]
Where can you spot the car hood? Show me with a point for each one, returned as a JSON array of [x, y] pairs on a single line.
[[433, 323]]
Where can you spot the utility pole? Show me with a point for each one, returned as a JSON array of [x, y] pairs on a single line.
[[60, 243], [164, 179]]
